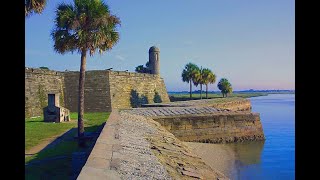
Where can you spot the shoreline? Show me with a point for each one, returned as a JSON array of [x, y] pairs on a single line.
[[219, 157], [228, 158], [196, 96]]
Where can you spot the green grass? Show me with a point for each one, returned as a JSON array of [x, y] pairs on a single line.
[[59, 168], [184, 97], [37, 131]]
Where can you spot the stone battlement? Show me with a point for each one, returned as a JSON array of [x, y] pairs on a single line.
[[42, 71], [132, 74]]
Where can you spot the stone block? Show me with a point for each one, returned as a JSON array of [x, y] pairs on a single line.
[[90, 173], [99, 163]]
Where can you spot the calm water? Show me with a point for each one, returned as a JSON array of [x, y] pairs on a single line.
[[275, 157]]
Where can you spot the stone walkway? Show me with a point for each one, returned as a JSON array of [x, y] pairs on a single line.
[[172, 111], [136, 147]]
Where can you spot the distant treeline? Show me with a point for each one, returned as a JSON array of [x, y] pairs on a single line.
[[243, 91]]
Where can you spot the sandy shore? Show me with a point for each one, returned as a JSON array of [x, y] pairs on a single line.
[[217, 156]]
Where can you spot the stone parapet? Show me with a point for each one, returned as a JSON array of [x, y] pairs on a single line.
[[101, 163]]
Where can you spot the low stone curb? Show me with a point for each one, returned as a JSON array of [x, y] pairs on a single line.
[[101, 163]]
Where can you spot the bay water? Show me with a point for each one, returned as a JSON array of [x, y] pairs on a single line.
[[273, 158]]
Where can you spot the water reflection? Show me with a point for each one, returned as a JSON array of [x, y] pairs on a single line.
[[248, 152], [230, 159], [247, 155]]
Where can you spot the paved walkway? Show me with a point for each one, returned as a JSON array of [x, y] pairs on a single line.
[[172, 111]]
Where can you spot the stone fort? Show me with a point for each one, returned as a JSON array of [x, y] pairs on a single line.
[[104, 89]]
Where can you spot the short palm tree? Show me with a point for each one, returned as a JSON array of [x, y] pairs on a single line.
[[189, 74], [34, 6], [84, 26], [208, 78], [225, 86]]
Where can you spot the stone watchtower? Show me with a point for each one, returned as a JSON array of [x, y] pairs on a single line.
[[154, 60]]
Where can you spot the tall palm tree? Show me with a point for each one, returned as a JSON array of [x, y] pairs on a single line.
[[198, 80], [34, 6], [189, 74], [208, 78], [85, 25]]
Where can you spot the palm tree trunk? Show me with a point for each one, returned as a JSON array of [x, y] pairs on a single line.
[[190, 90], [206, 91], [200, 91], [81, 140]]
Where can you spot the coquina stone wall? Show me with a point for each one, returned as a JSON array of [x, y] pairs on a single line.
[[133, 89], [104, 90], [96, 91], [214, 128], [38, 83]]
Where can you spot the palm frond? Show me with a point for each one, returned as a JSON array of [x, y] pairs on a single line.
[[89, 26], [34, 6]]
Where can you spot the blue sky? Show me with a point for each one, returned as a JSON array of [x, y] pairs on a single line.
[[249, 42]]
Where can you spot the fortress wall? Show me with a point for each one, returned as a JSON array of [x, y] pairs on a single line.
[[96, 91], [214, 128], [38, 83], [129, 89], [104, 89]]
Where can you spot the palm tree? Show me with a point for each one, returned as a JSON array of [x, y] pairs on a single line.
[[34, 6], [198, 79], [208, 77], [225, 86], [85, 25], [142, 69], [189, 73]]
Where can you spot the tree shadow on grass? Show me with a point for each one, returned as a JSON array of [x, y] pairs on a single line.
[[55, 159]]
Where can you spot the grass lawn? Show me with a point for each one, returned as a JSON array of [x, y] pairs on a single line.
[[37, 131], [59, 168], [185, 97]]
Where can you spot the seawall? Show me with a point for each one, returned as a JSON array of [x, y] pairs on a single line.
[[214, 128]]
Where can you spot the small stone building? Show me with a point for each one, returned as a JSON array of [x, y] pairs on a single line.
[[54, 112]]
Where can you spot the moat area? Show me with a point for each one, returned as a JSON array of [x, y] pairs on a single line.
[[272, 159]]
